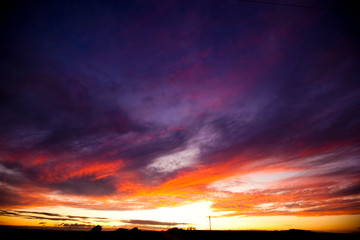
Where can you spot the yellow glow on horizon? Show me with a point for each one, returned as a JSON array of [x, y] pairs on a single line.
[[338, 223], [193, 214]]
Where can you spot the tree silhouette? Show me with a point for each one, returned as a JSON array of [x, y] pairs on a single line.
[[97, 228], [135, 229], [121, 230], [191, 228]]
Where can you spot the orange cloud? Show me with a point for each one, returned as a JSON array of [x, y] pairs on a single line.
[[303, 200], [190, 182], [96, 170]]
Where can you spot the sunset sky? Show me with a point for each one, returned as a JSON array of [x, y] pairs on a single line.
[[158, 114]]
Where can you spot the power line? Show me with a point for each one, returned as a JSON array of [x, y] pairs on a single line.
[[287, 4]]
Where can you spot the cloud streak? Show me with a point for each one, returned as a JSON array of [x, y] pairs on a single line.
[[48, 216], [151, 222]]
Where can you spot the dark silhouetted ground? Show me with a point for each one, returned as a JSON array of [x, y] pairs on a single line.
[[173, 235]]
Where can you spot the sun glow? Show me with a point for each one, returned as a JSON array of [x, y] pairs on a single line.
[[193, 214]]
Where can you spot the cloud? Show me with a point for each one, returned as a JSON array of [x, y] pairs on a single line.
[[48, 216], [348, 191], [76, 226], [301, 200], [188, 154], [34, 215], [69, 170], [85, 186], [151, 222], [176, 160]]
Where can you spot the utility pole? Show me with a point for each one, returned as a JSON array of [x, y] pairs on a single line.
[[210, 222]]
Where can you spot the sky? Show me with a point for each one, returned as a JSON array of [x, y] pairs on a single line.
[[158, 114]]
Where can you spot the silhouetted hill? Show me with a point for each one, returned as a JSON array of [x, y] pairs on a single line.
[[174, 235]]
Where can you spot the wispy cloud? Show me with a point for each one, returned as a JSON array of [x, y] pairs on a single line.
[[48, 216], [152, 223]]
